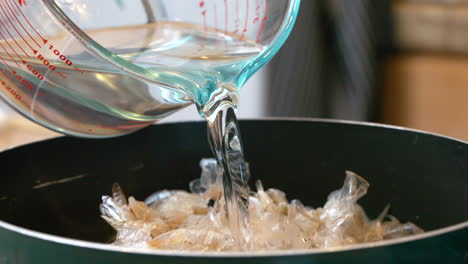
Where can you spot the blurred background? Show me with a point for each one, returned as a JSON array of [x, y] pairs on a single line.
[[400, 62]]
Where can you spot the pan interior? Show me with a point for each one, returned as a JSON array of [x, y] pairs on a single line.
[[55, 186]]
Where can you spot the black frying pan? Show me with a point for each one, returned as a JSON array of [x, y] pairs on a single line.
[[50, 191]]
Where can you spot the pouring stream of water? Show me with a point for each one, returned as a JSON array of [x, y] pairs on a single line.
[[226, 145]]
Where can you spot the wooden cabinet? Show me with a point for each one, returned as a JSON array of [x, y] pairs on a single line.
[[428, 92]]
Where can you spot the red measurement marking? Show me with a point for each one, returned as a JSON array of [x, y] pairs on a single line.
[[15, 15], [78, 70], [260, 30], [22, 2], [24, 82], [4, 62], [34, 72], [46, 62], [9, 55], [226, 16], [14, 27], [19, 9], [14, 51], [6, 29], [8, 43], [203, 13], [237, 18], [90, 130], [8, 88], [257, 13], [246, 19], [61, 75], [60, 55], [28, 85], [49, 83]]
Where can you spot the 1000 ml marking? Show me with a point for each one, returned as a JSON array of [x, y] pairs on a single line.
[[60, 56]]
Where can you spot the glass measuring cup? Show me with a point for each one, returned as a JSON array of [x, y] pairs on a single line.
[[109, 67]]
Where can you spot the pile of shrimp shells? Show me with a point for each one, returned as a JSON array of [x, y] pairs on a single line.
[[196, 221]]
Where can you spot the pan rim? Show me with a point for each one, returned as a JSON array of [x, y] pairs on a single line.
[[233, 254], [271, 118], [237, 254]]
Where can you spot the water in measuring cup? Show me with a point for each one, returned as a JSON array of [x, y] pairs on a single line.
[[193, 62]]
